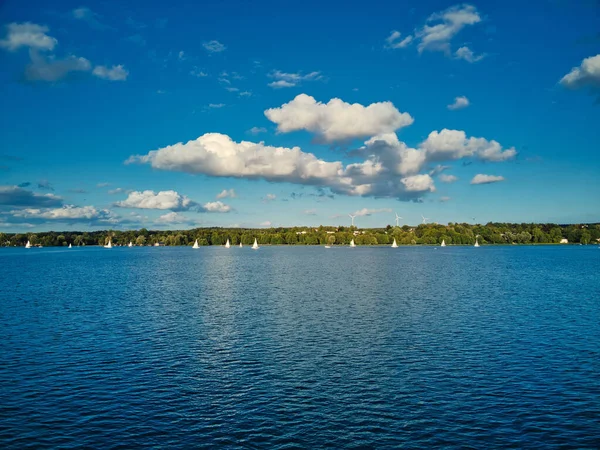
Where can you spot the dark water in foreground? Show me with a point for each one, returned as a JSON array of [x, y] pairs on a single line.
[[300, 347]]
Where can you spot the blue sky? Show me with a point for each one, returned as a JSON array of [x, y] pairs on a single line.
[[182, 114]]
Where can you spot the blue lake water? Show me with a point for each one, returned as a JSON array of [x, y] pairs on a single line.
[[300, 347]]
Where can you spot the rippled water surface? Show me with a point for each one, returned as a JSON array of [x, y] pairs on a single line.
[[300, 347]]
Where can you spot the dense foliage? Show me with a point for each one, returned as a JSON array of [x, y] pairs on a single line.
[[453, 233]]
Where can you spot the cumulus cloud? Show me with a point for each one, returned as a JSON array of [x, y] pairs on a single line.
[[69, 213], [215, 207], [28, 35], [453, 144], [369, 212], [467, 54], [226, 193], [586, 75], [447, 178], [486, 179], [115, 73], [157, 200], [216, 154], [257, 130], [16, 197], [285, 79], [171, 218], [438, 32], [337, 120], [42, 68], [198, 73], [394, 41], [213, 46], [459, 103]]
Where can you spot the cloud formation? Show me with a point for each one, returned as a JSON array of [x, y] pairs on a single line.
[[439, 31], [486, 179], [447, 178], [284, 79], [157, 200], [215, 207], [226, 193], [28, 35], [369, 212], [42, 68], [16, 196], [337, 120], [257, 130], [587, 74], [69, 213], [213, 46], [115, 73], [459, 103]]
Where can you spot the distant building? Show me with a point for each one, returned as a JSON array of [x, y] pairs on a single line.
[[564, 241]]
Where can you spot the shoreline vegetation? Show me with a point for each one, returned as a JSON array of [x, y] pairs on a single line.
[[424, 234]]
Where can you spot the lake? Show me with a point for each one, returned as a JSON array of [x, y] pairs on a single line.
[[300, 347]]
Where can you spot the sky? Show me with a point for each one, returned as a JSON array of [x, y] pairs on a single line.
[[174, 115]]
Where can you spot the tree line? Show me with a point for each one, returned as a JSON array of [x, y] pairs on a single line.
[[427, 234]]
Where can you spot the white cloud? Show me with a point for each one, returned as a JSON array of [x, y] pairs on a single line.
[[69, 213], [87, 15], [245, 94], [215, 105], [42, 68], [257, 130], [337, 120], [213, 46], [232, 89], [198, 73], [281, 84], [445, 199], [453, 144], [181, 55], [215, 207], [310, 212], [28, 35], [157, 200], [587, 74], [116, 73], [369, 212], [227, 193], [269, 198], [459, 103], [101, 185], [467, 54], [447, 178], [441, 27], [265, 224], [394, 42], [285, 79], [486, 179], [118, 191], [216, 154], [171, 218]]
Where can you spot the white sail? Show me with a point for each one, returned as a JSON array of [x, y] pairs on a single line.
[[476, 243], [328, 246], [227, 244], [109, 245], [394, 245], [196, 244], [28, 245], [352, 243], [241, 244], [443, 244], [70, 246], [255, 245], [130, 244]]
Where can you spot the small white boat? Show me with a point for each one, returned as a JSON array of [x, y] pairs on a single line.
[[28, 245], [328, 246], [241, 244], [443, 244], [70, 246], [227, 245], [255, 245], [109, 245], [476, 243], [352, 244], [394, 244], [196, 244], [130, 244]]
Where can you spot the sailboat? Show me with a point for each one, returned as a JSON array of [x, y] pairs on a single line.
[[196, 244], [109, 245], [130, 244], [227, 244], [443, 244], [476, 243], [28, 245], [255, 245], [394, 245], [352, 244], [70, 246], [241, 244]]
